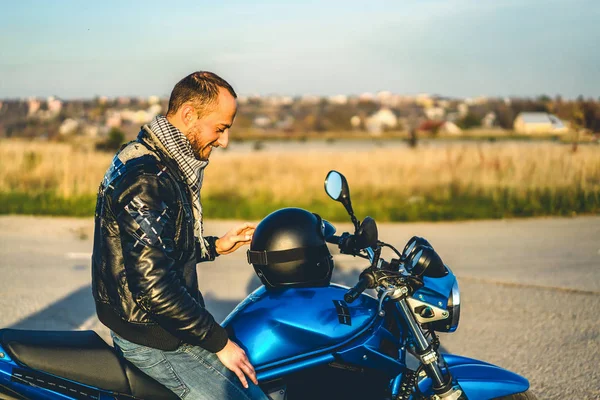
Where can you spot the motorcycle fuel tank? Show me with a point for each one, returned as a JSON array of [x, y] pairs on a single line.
[[276, 325]]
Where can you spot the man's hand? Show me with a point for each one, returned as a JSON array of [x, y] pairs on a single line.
[[235, 238], [235, 359]]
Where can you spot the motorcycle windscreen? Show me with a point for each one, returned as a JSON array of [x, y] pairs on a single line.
[[280, 324]]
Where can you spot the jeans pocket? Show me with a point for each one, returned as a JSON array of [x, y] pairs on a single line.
[[155, 365]]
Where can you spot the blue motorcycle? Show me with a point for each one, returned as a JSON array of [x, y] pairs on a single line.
[[305, 343]]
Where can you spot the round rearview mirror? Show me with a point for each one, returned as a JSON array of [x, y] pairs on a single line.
[[337, 188], [333, 185]]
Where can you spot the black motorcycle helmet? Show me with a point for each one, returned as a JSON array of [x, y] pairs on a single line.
[[288, 249]]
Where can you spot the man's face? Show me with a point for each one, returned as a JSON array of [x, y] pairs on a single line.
[[212, 129]]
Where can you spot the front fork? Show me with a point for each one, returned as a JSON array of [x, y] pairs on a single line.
[[429, 357]]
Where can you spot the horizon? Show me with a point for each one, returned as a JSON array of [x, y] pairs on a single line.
[[458, 48], [412, 96]]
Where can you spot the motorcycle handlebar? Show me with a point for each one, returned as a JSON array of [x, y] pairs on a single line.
[[354, 292], [333, 239], [346, 243]]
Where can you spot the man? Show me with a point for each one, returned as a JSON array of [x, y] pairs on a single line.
[[148, 239]]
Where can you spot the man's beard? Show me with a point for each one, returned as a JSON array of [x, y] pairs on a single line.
[[197, 148]]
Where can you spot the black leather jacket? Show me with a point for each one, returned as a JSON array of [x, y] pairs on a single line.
[[144, 261]]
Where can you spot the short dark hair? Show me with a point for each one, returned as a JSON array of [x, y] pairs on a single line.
[[201, 88]]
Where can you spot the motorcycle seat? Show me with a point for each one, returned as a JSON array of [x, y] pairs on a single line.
[[80, 356]]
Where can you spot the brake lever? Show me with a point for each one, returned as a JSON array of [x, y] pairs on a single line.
[[385, 294], [394, 292]]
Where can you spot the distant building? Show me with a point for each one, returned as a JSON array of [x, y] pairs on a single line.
[[33, 105], [339, 99], [437, 126], [450, 128], [309, 99], [137, 117], [366, 97], [68, 126], [154, 110], [463, 110], [54, 105], [424, 100], [444, 103], [489, 120], [124, 100], [436, 113], [287, 100], [262, 122], [278, 101], [396, 100], [382, 119], [113, 119], [477, 100], [538, 122], [142, 117], [384, 98]]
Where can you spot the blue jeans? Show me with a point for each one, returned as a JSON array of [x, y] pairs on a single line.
[[191, 372]]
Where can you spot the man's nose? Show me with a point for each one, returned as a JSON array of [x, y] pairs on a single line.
[[224, 139]]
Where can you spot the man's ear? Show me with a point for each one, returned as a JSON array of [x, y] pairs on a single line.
[[188, 113]]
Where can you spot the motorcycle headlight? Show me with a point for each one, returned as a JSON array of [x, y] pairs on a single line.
[[450, 323], [453, 308]]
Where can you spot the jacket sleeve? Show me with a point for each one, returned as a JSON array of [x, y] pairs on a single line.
[[146, 212], [210, 246]]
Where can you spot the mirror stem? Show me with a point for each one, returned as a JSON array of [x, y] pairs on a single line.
[[355, 222], [348, 207], [350, 211]]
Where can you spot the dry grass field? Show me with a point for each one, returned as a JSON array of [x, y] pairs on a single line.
[[447, 181]]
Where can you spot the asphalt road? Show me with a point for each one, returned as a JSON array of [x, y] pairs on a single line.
[[530, 288]]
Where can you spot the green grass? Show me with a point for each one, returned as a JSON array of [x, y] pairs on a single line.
[[46, 203], [448, 205]]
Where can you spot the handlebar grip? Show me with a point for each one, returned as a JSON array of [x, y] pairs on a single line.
[[333, 239], [354, 292], [346, 243]]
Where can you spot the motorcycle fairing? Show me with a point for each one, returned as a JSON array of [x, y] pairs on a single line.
[[280, 325], [278, 371], [480, 380], [436, 291], [4, 354], [361, 352], [367, 352]]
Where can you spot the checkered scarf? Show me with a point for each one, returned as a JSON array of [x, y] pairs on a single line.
[[180, 150]]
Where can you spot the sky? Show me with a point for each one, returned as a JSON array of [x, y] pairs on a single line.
[[457, 48]]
